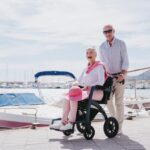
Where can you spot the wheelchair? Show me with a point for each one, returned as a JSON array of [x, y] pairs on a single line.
[[88, 109]]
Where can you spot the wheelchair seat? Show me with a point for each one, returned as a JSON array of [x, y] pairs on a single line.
[[106, 88], [82, 105]]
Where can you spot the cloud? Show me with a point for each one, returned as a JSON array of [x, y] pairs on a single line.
[[37, 30]]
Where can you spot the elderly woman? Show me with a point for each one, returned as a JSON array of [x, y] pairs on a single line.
[[93, 74]]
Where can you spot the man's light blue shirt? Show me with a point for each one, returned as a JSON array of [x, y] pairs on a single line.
[[115, 57]]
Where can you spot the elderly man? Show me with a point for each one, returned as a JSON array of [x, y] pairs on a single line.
[[113, 53]]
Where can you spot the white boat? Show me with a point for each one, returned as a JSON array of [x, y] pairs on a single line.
[[25, 109], [137, 107], [138, 104]]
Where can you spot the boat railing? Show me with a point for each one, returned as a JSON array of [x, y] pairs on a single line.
[[5, 110]]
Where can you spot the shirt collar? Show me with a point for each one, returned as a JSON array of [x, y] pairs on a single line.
[[113, 41]]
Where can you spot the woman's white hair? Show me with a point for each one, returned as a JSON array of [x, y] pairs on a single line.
[[91, 49]]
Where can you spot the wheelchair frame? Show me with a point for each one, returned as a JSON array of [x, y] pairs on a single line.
[[111, 125]]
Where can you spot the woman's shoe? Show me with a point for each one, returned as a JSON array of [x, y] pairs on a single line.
[[68, 126], [56, 126]]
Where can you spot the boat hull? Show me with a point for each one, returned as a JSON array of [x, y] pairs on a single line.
[[21, 118]]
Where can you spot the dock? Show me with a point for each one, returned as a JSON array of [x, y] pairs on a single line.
[[136, 136]]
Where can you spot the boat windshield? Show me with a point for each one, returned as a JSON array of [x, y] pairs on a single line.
[[19, 99]]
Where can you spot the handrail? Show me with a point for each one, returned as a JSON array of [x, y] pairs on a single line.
[[140, 69]]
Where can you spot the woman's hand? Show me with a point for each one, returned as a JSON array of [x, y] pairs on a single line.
[[86, 88]]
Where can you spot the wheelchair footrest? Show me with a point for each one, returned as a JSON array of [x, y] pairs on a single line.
[[70, 130]]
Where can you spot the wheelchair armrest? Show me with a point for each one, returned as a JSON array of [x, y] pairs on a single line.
[[99, 87], [96, 87], [91, 92]]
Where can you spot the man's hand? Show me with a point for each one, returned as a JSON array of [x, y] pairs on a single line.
[[120, 77]]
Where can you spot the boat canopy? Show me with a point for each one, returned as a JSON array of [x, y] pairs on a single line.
[[54, 73], [19, 99]]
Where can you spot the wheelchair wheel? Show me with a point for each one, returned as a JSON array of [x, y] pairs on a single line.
[[111, 127], [67, 133], [80, 127], [89, 134]]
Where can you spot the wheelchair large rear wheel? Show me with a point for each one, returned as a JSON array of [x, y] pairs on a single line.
[[89, 133], [111, 127]]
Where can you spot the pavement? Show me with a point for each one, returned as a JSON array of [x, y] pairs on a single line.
[[136, 137]]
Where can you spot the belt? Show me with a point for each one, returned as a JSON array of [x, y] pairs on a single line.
[[114, 74]]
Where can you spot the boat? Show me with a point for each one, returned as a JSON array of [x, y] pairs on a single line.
[[137, 107], [18, 110]]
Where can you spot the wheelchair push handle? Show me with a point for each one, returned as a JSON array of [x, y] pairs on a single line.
[[116, 77]]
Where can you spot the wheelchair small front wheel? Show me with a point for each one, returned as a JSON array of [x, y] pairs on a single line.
[[111, 127], [81, 127], [67, 133], [89, 133]]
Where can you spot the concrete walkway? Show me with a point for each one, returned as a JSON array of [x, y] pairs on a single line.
[[136, 137]]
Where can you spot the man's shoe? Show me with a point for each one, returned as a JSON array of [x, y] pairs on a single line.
[[68, 126]]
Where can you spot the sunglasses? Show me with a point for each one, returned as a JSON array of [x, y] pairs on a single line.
[[107, 31]]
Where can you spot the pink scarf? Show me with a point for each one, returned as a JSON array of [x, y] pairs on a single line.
[[91, 67], [97, 63]]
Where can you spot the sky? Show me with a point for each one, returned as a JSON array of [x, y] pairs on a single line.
[[37, 35]]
